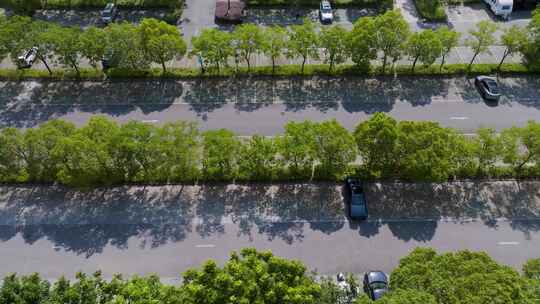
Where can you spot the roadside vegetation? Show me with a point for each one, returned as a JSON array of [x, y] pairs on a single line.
[[132, 50], [431, 10], [424, 276], [105, 153], [384, 4]]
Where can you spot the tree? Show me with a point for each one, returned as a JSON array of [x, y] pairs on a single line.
[[248, 39], [65, 45], [220, 157], [303, 42], [531, 49], [93, 43], [31, 34], [377, 141], [335, 148], [531, 269], [449, 40], [407, 296], [362, 43], [161, 42], [250, 277], [487, 147], [521, 146], [514, 40], [12, 162], [213, 46], [333, 41], [391, 33], [424, 46], [258, 159], [274, 42], [481, 38], [460, 277], [125, 46], [182, 148], [297, 147]]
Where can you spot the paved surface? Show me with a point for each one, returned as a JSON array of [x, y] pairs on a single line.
[[263, 105], [165, 230]]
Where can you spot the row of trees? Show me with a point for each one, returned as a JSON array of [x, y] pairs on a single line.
[[259, 277], [137, 46], [123, 44], [105, 153]]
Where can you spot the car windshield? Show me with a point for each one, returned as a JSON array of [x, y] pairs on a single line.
[[325, 7], [357, 190], [492, 86], [378, 285]]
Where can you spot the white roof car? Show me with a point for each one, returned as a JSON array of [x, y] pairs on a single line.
[[325, 12]]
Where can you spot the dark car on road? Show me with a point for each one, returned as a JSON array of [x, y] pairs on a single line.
[[357, 200], [488, 87], [375, 284], [109, 13]]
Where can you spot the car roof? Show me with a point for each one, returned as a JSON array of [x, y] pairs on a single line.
[[377, 276]]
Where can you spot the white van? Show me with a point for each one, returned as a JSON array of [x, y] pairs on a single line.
[[502, 8]]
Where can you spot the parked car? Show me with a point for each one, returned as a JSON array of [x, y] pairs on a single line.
[[230, 11], [375, 284], [501, 8], [109, 13], [27, 58], [357, 200], [488, 87], [325, 12]]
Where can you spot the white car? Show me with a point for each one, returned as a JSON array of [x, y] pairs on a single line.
[[325, 12], [501, 8], [27, 58]]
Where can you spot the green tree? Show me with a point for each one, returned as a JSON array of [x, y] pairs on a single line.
[[25, 290], [531, 50], [482, 37], [335, 148], [458, 278], [408, 296], [391, 33], [297, 147], [362, 42], [65, 45], [93, 43], [182, 148], [531, 269], [378, 144], [213, 46], [161, 42], [220, 157], [32, 34], [333, 41], [521, 146], [125, 46], [449, 40], [487, 149], [275, 41], [251, 277], [258, 159], [248, 39], [424, 46], [514, 40], [12, 162], [303, 42]]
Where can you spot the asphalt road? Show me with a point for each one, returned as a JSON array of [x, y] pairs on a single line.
[[166, 230], [262, 106]]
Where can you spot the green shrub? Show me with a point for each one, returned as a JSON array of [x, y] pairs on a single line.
[[431, 10]]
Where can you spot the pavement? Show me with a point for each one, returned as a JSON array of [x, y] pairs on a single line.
[[168, 229], [263, 106]]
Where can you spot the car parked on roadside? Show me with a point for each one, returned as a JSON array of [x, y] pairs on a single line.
[[488, 87], [109, 13], [27, 58], [375, 284], [325, 12], [357, 200]]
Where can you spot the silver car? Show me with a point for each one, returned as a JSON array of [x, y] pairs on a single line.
[[325, 12], [488, 87], [27, 58]]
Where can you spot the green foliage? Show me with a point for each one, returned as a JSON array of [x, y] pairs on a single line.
[[333, 40], [431, 10], [125, 46], [514, 39], [248, 39], [481, 38], [392, 32], [408, 296], [274, 43], [424, 46], [449, 40], [220, 160], [334, 149], [258, 159], [161, 42], [458, 278], [303, 42], [531, 269], [213, 47], [65, 43], [362, 41], [531, 50], [251, 277], [93, 43]]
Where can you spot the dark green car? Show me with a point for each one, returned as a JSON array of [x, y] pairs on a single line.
[[357, 199]]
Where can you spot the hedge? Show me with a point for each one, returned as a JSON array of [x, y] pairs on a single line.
[[431, 10]]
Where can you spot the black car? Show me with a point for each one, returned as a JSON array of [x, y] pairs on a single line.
[[357, 200], [109, 13], [375, 284], [488, 87]]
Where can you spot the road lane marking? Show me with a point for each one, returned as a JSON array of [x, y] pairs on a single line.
[[508, 243], [205, 246], [150, 121], [459, 118]]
